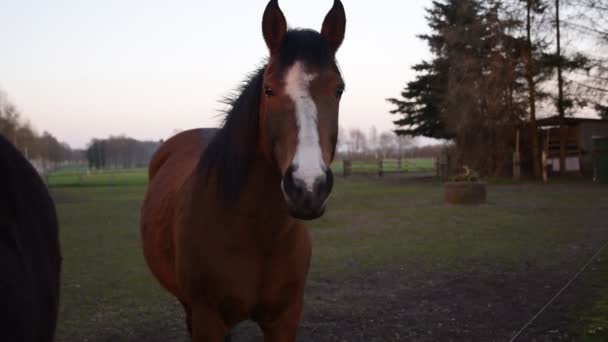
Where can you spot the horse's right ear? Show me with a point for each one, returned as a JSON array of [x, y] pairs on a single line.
[[274, 26]]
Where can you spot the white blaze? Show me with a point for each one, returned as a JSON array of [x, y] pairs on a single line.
[[308, 158]]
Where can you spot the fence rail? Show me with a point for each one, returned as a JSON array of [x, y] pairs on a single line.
[[383, 167]]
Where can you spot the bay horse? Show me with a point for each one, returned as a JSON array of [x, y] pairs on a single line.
[[30, 258], [222, 220]]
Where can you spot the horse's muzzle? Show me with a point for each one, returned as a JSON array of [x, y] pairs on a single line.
[[303, 203]]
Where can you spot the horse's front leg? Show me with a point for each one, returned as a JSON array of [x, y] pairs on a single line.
[[284, 327], [207, 325]]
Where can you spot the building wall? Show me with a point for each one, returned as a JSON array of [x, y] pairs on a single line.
[[587, 130]]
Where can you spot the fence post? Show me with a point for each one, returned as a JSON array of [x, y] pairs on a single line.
[[346, 168], [516, 158], [380, 170], [443, 167], [544, 162], [437, 166], [516, 166]]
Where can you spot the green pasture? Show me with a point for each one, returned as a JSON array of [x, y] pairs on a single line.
[[413, 165], [81, 177], [370, 224]]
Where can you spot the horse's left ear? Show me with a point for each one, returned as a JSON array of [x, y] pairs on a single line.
[[334, 26]]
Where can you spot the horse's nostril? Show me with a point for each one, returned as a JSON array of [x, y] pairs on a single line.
[[308, 201], [307, 196], [298, 191], [319, 187]]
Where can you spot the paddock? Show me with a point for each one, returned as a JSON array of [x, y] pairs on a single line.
[[391, 262]]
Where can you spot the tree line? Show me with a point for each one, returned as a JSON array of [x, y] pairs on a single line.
[[356, 144], [495, 65], [35, 146], [125, 152], [120, 152], [47, 152]]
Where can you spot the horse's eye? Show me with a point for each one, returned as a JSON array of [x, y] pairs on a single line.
[[268, 92], [339, 92]]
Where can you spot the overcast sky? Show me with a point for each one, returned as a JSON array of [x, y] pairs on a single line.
[[83, 69]]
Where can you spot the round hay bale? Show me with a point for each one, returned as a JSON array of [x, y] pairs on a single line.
[[465, 193]]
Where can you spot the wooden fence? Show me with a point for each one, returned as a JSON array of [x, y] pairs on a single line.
[[381, 167]]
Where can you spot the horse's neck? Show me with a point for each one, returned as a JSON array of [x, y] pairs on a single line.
[[262, 198]]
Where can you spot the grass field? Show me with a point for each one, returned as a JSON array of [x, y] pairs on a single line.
[[371, 225], [413, 165], [97, 178], [81, 177]]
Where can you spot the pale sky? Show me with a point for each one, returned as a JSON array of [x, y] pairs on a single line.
[[83, 68]]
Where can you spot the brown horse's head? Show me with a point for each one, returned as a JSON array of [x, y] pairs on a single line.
[[299, 104]]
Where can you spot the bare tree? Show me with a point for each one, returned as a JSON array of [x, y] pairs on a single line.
[[387, 143], [561, 107], [531, 7], [358, 142], [23, 136], [342, 144], [588, 20], [9, 118], [404, 142], [120, 152], [372, 140]]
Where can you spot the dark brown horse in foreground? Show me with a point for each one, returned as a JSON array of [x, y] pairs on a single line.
[[221, 222], [30, 258]]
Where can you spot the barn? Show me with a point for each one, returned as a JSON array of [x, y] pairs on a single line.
[[580, 133]]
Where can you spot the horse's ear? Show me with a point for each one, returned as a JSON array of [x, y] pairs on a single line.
[[334, 26], [274, 26]]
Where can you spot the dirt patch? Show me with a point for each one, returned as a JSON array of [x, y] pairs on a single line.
[[472, 302], [478, 304]]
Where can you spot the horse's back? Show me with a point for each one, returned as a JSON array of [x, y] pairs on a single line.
[[169, 169], [185, 147], [30, 258]]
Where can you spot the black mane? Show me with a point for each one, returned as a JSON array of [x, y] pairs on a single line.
[[231, 153]]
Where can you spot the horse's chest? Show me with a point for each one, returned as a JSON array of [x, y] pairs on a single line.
[[256, 289], [248, 281], [242, 275]]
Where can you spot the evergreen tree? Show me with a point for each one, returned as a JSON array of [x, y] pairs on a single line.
[[472, 89], [421, 103], [422, 100]]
